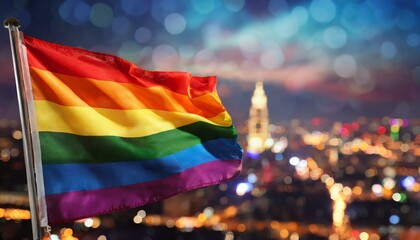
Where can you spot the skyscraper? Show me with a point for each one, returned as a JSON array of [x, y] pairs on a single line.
[[258, 120]]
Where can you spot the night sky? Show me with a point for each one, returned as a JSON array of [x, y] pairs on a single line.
[[334, 59]]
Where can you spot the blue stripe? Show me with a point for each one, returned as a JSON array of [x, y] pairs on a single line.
[[61, 178]]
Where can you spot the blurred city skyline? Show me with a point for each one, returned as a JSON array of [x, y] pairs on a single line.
[[342, 80], [321, 58]]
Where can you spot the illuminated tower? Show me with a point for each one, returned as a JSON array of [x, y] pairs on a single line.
[[258, 120]]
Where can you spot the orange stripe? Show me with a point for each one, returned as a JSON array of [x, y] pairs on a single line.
[[74, 91]]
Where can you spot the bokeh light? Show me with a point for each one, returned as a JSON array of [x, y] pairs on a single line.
[[322, 10], [121, 25], [345, 66], [335, 37], [234, 5], [175, 23], [101, 15]]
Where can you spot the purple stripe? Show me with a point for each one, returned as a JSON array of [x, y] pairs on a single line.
[[82, 204]]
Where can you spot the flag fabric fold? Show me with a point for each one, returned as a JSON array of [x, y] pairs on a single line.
[[114, 136]]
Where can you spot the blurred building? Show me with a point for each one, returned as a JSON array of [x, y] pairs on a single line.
[[258, 132]]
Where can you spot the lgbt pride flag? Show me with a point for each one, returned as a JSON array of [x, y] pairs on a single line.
[[114, 136]]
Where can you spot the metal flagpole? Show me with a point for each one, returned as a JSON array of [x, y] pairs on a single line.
[[13, 25]]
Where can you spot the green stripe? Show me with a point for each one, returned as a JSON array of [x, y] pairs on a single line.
[[59, 148]]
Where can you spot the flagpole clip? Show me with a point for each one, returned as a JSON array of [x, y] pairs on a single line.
[[11, 22]]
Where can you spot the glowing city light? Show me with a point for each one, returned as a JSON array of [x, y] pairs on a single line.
[[54, 237], [378, 190], [208, 212], [303, 164], [88, 222], [399, 197], [252, 178], [364, 236], [243, 188], [137, 219], [408, 182], [388, 183], [294, 161], [141, 213], [394, 219]]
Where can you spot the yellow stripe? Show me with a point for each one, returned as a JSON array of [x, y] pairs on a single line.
[[87, 121]]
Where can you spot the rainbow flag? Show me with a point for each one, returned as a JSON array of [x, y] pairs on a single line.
[[114, 136]]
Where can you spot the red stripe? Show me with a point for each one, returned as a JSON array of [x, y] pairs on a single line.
[[86, 64], [82, 204]]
